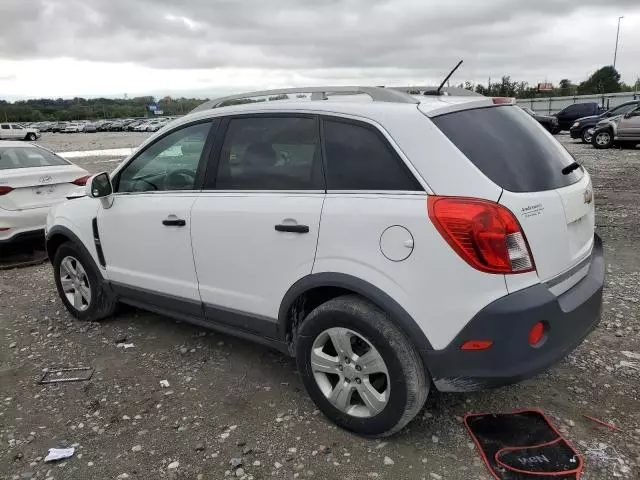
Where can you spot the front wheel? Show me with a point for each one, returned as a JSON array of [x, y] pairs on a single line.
[[586, 135], [359, 368], [602, 139], [80, 285]]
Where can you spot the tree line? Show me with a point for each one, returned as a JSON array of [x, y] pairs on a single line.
[[45, 109], [604, 80]]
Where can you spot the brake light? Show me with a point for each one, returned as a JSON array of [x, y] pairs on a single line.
[[82, 181], [503, 100], [4, 189], [485, 234]]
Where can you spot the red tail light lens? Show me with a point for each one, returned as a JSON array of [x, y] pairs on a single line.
[[82, 181], [4, 189], [504, 100], [485, 234]]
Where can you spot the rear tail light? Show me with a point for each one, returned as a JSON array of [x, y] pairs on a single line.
[[5, 229], [82, 181], [4, 190], [485, 234]]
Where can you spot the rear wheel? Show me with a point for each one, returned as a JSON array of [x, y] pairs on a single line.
[[359, 368], [80, 285], [31, 136], [602, 139], [585, 135]]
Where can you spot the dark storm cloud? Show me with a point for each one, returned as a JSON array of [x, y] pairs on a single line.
[[417, 35]]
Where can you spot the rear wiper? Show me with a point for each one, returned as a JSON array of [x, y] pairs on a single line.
[[570, 168]]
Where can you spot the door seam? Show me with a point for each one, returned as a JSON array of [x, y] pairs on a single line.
[[315, 254]]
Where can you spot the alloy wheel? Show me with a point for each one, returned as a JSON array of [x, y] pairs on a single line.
[[603, 138], [75, 283], [350, 372]]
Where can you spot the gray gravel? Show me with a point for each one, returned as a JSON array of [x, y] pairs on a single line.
[[238, 410]]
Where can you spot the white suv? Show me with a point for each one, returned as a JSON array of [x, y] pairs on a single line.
[[390, 245]]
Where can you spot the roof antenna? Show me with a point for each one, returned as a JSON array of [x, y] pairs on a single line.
[[437, 92]]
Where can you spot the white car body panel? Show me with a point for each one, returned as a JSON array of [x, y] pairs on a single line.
[[426, 283], [76, 216], [243, 263], [144, 253], [558, 224]]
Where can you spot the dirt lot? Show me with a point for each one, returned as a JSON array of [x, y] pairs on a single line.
[[229, 399]]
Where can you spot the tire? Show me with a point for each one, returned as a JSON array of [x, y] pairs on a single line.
[[366, 331], [585, 136], [602, 138], [31, 137], [100, 303]]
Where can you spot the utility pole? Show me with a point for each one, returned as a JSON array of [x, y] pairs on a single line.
[[615, 53]]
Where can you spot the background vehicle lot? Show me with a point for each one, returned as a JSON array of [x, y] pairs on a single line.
[[224, 392]]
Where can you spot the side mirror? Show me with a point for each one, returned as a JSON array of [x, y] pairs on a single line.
[[99, 186]]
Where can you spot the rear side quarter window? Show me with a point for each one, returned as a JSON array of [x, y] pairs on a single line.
[[358, 157]]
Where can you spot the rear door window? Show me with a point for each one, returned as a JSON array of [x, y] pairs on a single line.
[[510, 148], [270, 153]]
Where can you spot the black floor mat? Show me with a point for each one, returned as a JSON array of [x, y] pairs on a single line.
[[523, 445]]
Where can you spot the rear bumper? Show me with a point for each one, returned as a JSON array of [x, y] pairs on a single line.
[[569, 318], [22, 223]]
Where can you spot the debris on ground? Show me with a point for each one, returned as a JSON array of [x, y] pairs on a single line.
[[59, 454]]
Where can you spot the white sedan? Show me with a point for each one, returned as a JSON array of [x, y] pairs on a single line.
[[32, 179]]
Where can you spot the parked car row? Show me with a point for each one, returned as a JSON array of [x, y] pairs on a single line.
[[619, 125], [114, 125]]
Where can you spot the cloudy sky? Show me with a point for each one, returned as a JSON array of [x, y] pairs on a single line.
[[208, 47]]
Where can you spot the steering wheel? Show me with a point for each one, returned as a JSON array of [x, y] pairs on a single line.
[[180, 179]]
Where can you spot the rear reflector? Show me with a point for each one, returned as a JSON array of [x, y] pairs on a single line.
[[4, 189], [504, 100], [82, 181], [536, 334], [476, 345], [485, 234]]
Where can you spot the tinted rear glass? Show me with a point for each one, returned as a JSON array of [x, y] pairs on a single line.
[[26, 157], [510, 148]]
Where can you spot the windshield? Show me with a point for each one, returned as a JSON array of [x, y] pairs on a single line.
[[510, 148], [27, 157]]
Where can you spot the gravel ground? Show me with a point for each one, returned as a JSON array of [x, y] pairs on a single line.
[[232, 408]]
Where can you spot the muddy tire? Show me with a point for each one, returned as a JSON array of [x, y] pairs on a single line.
[[359, 368], [80, 285]]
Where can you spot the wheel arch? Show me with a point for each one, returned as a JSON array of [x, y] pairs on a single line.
[[315, 289], [59, 235]]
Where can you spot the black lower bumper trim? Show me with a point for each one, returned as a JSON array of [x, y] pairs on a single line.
[[33, 235], [568, 319]]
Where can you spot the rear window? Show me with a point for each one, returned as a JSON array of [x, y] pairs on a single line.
[[509, 147], [26, 157]]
